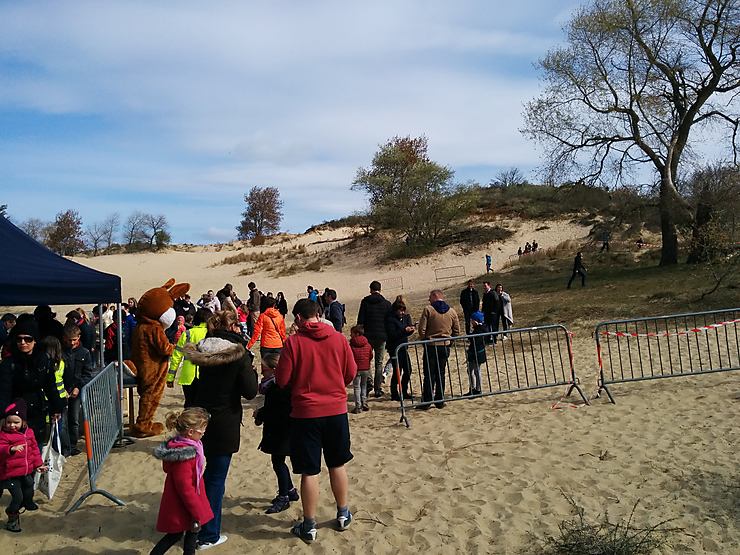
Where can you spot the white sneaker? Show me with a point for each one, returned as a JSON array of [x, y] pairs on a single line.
[[202, 546]]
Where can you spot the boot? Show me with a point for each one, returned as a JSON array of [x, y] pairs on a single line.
[[14, 522]]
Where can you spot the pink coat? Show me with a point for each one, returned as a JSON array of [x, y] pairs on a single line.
[[20, 463], [183, 501]]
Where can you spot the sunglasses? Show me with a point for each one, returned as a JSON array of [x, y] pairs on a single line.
[[24, 339]]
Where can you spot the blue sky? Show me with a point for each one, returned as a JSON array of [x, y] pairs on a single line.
[[180, 107]]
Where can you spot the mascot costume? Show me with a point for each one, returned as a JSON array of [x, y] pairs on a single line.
[[150, 352]]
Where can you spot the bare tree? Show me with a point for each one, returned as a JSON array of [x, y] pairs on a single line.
[[65, 234], [133, 229], [155, 225], [262, 214], [95, 236], [110, 226], [36, 228], [635, 78], [508, 178]]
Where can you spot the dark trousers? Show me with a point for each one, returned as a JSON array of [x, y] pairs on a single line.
[[402, 364], [189, 392], [74, 415], [21, 492], [285, 484], [378, 346], [576, 273], [435, 363], [605, 245], [164, 545], [499, 318], [467, 322], [214, 478]]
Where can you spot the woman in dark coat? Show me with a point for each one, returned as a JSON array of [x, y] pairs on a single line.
[[29, 374], [398, 327], [281, 304], [226, 375]]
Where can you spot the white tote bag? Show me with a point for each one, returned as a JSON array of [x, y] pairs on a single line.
[[48, 481]]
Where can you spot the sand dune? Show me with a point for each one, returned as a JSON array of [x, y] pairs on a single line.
[[478, 476]]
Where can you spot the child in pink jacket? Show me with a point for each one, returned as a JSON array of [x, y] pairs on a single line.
[[19, 460]]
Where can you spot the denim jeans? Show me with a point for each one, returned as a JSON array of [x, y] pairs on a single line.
[[285, 484], [214, 478]]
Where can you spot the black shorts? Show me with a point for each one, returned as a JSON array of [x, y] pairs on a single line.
[[309, 436]]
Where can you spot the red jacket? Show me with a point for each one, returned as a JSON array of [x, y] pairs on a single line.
[[181, 504], [20, 463], [318, 365], [362, 351]]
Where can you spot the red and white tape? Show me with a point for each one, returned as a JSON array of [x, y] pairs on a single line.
[[698, 329]]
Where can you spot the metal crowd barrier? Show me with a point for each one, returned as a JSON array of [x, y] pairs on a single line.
[[666, 346], [519, 359], [392, 283], [449, 272], [102, 421]]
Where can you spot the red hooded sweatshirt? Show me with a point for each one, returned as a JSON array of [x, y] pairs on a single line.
[[318, 365]]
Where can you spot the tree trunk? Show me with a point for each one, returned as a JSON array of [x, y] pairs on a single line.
[[669, 207]]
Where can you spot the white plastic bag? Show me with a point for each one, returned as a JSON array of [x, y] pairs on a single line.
[[387, 370], [48, 481]]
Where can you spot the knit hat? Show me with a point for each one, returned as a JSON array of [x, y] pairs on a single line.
[[16, 408], [26, 325], [477, 317]]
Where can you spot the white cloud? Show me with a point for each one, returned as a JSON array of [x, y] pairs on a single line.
[[206, 99]]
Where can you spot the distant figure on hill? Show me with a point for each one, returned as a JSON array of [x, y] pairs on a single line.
[[578, 269], [519, 251], [605, 236], [489, 261], [535, 246]]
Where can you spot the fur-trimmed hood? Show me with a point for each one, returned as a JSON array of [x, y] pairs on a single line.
[[173, 451], [213, 351]]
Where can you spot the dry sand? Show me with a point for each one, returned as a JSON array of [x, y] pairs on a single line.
[[478, 476]]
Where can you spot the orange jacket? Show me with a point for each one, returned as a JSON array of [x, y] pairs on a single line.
[[269, 330]]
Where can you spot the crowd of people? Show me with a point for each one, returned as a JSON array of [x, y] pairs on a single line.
[[306, 369]]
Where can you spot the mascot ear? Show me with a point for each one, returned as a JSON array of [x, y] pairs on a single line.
[[179, 290], [169, 283]]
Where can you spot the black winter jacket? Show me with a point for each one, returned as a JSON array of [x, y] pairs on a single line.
[[31, 377], [395, 328], [373, 311], [469, 300], [275, 417], [78, 368], [226, 375]]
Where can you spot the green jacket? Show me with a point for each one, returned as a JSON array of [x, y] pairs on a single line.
[[188, 370]]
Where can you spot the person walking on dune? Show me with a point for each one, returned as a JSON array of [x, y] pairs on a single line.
[[578, 270]]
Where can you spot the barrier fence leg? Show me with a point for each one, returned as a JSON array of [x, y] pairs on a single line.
[[579, 390], [602, 387], [399, 385], [87, 494]]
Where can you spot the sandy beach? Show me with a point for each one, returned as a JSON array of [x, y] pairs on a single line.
[[479, 476]]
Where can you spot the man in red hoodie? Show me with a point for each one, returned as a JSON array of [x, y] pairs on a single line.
[[317, 364]]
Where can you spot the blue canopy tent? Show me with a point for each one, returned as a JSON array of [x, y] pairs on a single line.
[[30, 274]]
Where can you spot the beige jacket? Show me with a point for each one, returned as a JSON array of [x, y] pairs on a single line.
[[433, 324]]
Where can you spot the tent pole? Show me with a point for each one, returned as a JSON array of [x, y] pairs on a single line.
[[119, 337], [101, 342]]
